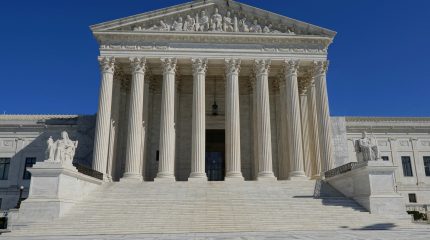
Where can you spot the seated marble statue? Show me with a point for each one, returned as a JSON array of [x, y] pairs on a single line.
[[63, 150], [368, 147]]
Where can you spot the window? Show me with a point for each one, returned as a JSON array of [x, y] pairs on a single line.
[[28, 164], [427, 165], [412, 197], [4, 168], [407, 167], [385, 158], [1, 200]]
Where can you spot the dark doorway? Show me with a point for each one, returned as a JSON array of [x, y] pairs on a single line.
[[215, 155]]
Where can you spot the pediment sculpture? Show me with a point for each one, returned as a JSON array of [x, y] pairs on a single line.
[[368, 147], [62, 150], [202, 22]]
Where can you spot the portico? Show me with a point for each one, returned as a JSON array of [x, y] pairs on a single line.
[[163, 73], [256, 93]]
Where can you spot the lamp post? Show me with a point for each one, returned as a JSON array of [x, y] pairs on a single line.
[[18, 205]]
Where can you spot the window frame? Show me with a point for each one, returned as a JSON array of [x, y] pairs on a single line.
[[426, 168], [4, 169], [26, 174], [412, 197], [409, 161]]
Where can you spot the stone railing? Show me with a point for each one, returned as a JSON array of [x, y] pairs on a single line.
[[88, 171], [339, 170]]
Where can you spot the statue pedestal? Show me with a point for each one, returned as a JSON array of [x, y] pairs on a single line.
[[55, 187], [371, 184]]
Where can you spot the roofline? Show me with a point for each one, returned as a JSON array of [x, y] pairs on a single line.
[[97, 27]]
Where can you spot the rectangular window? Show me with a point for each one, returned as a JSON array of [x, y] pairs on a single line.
[[29, 162], [385, 158], [1, 200], [427, 165], [412, 197], [4, 168], [407, 167]]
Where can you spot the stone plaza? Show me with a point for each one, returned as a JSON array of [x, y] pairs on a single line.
[[213, 117]]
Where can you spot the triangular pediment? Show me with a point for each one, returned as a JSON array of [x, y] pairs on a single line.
[[213, 16]]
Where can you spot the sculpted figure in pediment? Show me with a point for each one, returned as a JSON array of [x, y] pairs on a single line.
[[216, 21], [255, 27], [189, 24], [229, 25], [178, 25], [203, 22], [243, 26]]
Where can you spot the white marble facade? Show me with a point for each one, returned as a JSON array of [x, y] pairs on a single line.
[[161, 73]]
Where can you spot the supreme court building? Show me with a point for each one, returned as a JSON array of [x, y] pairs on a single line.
[[213, 116], [247, 94]]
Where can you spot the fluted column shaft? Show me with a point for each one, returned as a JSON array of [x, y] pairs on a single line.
[[167, 123], [133, 163], [198, 142], [232, 120], [324, 131], [294, 123], [284, 171], [103, 122], [263, 119], [315, 142], [113, 138], [305, 133]]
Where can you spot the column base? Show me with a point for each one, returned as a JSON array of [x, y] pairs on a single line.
[[165, 177], [233, 176], [297, 174], [316, 177], [296, 178], [131, 177], [197, 177], [263, 176]]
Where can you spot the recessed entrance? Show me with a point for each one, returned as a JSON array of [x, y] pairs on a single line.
[[215, 154]]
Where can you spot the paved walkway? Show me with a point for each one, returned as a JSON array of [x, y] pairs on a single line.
[[309, 235]]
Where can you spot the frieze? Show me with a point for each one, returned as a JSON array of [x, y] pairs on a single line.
[[215, 22]]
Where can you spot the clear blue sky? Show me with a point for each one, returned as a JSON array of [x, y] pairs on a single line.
[[379, 60]]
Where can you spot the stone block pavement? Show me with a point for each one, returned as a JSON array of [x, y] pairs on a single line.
[[297, 235]]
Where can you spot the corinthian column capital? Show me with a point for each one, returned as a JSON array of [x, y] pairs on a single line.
[[200, 65], [320, 67], [232, 66], [107, 64], [138, 65], [291, 67], [169, 65], [262, 66]]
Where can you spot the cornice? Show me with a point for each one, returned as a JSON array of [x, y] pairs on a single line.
[[35, 117], [112, 37]]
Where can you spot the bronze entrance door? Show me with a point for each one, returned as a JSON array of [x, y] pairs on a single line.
[[215, 155]]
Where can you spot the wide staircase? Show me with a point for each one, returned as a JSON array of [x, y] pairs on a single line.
[[127, 208]]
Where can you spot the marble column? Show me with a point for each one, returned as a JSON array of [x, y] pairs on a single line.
[[294, 123], [145, 124], [232, 120], [324, 130], [304, 112], [103, 122], [283, 141], [167, 123], [253, 108], [113, 138], [133, 164], [265, 166], [198, 137], [315, 143]]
